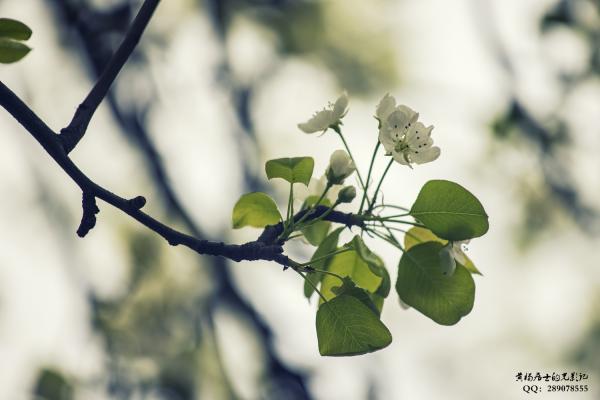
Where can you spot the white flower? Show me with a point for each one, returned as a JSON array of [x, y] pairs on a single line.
[[451, 253], [340, 167], [328, 117], [402, 137]]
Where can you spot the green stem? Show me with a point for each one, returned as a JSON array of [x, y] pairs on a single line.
[[362, 202], [379, 185], [391, 240], [362, 184], [391, 206], [311, 284], [309, 211], [322, 216], [383, 218], [323, 258], [403, 222], [289, 205]]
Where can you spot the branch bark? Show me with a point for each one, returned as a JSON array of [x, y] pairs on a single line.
[[265, 247], [72, 134]]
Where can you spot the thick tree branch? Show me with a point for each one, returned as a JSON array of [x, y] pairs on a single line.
[[72, 134], [265, 247]]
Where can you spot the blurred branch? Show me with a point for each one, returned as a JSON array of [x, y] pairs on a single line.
[[72, 134], [265, 248]]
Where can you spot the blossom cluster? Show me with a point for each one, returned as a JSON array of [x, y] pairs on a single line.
[[401, 134]]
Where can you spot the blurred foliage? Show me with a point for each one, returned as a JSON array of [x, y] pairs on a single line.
[[52, 385], [152, 333], [338, 36], [554, 195]]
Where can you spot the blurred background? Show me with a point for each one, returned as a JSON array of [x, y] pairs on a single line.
[[216, 88]]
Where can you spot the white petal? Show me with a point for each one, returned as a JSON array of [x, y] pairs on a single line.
[[397, 120], [318, 122], [341, 164], [411, 115], [428, 155], [417, 134], [340, 108], [386, 140], [385, 107], [400, 158]]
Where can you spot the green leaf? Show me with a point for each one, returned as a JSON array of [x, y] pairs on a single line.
[[255, 209], [450, 211], [328, 245], [12, 29], [293, 170], [421, 285], [349, 288], [346, 327], [351, 265], [315, 233], [416, 235], [384, 288], [12, 51], [374, 262]]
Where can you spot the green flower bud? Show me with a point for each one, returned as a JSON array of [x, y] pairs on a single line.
[[347, 194]]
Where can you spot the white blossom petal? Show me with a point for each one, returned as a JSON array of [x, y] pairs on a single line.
[[340, 108], [428, 155], [327, 117], [385, 107]]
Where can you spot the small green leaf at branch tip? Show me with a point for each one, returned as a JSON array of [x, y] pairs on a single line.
[[347, 327], [13, 29], [12, 51], [255, 209], [450, 211], [422, 285], [293, 170]]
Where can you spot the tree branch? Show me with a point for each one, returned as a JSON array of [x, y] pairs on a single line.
[[72, 134], [265, 247]]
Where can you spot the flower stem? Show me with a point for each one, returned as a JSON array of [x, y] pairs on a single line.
[[311, 284], [309, 211], [324, 258], [362, 183], [365, 196], [379, 185], [322, 216]]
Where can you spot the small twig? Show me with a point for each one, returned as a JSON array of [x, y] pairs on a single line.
[[265, 247], [88, 219], [72, 134]]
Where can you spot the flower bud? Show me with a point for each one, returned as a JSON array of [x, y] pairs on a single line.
[[347, 194], [340, 167]]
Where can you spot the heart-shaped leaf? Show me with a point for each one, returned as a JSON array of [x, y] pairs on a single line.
[[255, 209], [422, 285], [346, 327], [450, 211], [293, 170]]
